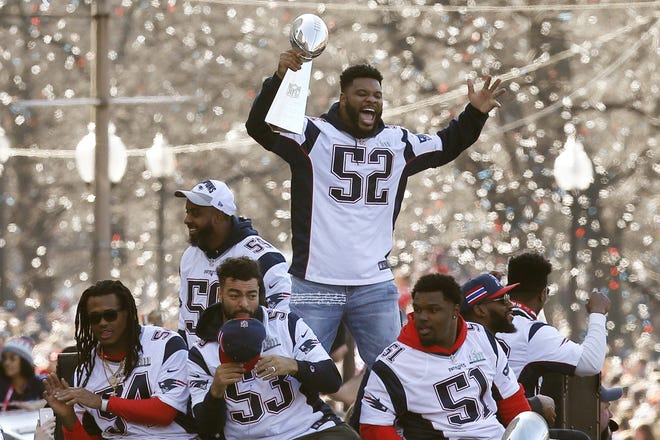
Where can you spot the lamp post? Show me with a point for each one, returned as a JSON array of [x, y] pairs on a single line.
[[4, 155], [160, 162], [87, 161], [573, 173]]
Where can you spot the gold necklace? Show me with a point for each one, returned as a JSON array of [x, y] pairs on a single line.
[[117, 377]]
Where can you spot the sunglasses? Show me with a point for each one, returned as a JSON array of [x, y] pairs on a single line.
[[109, 315], [504, 298]]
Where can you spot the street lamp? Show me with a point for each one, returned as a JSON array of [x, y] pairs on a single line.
[[573, 173], [86, 161], [161, 163], [86, 152], [5, 148]]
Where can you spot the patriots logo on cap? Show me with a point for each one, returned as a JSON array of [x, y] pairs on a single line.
[[476, 294]]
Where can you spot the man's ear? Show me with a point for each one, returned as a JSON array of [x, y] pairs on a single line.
[[479, 310]]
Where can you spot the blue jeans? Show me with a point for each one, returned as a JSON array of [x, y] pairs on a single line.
[[371, 313]]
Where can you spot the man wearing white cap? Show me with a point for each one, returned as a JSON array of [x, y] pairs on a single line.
[[216, 234]]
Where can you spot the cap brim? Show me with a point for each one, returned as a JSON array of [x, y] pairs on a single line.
[[610, 394], [247, 365], [195, 198], [503, 290]]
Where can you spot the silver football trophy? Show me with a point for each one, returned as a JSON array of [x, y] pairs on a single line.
[[527, 426], [287, 112]]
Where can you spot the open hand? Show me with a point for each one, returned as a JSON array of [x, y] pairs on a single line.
[[485, 99]]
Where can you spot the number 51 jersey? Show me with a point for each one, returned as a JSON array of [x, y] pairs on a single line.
[[435, 396]]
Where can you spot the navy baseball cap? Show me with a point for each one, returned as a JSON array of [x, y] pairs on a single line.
[[241, 341], [610, 394], [484, 287]]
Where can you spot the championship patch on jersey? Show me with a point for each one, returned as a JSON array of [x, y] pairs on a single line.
[[270, 343], [309, 345], [477, 356], [144, 361]]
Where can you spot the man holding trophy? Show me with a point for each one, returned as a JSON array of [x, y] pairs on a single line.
[[349, 173]]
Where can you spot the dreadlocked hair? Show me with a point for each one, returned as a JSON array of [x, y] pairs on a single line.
[[86, 344]]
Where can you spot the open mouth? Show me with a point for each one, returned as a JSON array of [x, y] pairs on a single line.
[[368, 116], [424, 331]]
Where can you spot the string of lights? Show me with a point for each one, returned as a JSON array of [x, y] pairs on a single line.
[[632, 50], [373, 6], [472, 6], [240, 138], [519, 71]]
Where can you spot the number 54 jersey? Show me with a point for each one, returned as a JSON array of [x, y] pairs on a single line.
[[436, 396], [159, 371]]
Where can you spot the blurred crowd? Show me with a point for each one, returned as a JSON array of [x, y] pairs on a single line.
[[636, 370], [53, 331], [638, 410]]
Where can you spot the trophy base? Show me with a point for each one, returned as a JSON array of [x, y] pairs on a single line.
[[287, 112]]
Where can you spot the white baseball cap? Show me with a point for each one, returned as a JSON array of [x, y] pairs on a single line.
[[211, 193]]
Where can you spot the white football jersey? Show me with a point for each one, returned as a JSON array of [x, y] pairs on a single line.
[[428, 395], [199, 280], [346, 192], [279, 408], [537, 347], [160, 373]]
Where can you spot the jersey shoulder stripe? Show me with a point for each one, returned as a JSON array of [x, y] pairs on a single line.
[[493, 342], [312, 133], [173, 344], [270, 259], [535, 328], [483, 332], [195, 356], [292, 323], [393, 386]]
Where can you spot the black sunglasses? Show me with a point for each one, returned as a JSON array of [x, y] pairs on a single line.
[[109, 315]]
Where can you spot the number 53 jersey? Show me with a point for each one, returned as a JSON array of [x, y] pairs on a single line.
[[436, 396], [281, 408]]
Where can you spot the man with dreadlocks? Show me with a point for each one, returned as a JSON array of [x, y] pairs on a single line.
[[130, 379]]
